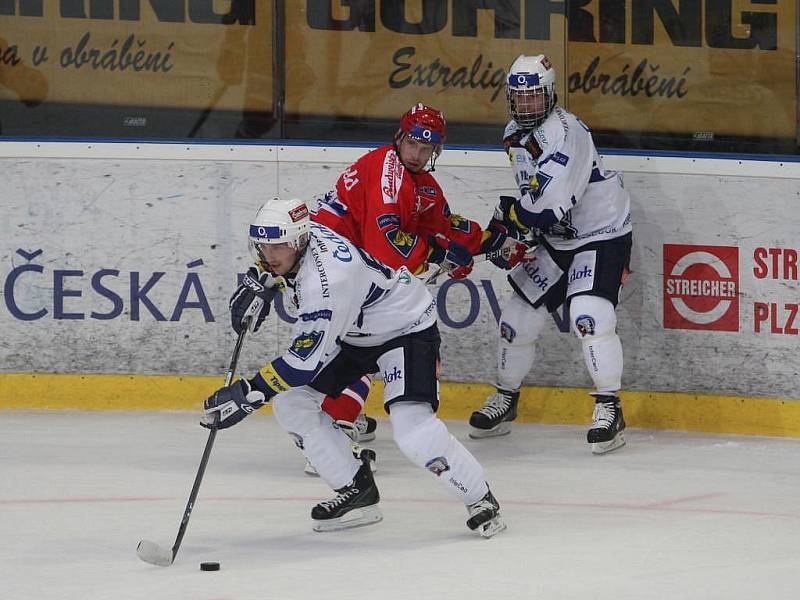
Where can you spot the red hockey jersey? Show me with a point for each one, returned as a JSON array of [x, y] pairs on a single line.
[[391, 212]]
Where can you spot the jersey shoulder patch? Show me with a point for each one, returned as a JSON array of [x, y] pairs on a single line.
[[401, 241]]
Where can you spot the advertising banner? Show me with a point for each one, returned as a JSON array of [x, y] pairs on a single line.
[[710, 67], [192, 54], [126, 266]]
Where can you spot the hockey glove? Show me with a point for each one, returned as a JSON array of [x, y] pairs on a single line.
[[251, 300], [506, 214], [232, 404], [504, 251], [453, 257]]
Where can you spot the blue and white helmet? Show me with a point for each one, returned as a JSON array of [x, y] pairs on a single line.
[[529, 77], [279, 221]]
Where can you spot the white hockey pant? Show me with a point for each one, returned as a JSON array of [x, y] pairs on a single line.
[[520, 325], [427, 443], [594, 321], [325, 445]]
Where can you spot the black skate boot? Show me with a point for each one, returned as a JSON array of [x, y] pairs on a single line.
[[355, 504], [608, 425], [484, 516], [495, 416]]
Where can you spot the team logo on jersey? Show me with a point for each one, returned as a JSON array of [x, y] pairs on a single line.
[[401, 241], [437, 465], [459, 223], [584, 324], [385, 221], [304, 344], [701, 287]]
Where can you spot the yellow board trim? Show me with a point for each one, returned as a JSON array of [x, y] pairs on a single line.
[[649, 410]]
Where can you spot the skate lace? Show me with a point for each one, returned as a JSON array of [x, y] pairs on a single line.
[[604, 414], [340, 499], [495, 406]]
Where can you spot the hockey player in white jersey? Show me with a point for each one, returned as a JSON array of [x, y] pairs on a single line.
[[579, 214], [354, 316]]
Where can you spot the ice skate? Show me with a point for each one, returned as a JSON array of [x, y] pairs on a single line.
[[608, 425], [495, 416], [361, 430], [355, 504], [484, 516]]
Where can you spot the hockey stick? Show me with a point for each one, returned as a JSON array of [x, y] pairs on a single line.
[[152, 553], [478, 258]]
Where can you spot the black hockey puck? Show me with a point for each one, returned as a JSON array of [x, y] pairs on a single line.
[[209, 566]]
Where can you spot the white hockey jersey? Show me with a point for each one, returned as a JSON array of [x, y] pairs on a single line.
[[566, 192], [342, 294]]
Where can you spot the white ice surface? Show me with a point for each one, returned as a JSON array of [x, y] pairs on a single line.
[[671, 516]]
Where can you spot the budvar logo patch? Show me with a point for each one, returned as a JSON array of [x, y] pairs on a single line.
[[701, 287]]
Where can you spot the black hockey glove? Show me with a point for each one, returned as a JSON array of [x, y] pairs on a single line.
[[453, 257], [232, 404], [252, 300]]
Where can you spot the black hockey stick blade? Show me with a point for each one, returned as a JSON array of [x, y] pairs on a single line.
[[152, 553]]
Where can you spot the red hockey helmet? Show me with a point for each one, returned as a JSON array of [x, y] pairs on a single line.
[[424, 124]]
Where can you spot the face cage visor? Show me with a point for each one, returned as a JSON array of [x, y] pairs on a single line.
[[530, 119]]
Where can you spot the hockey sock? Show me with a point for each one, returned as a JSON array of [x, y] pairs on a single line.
[[520, 325], [594, 322], [426, 442], [327, 447]]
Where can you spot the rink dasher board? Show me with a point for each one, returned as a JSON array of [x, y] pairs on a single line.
[[122, 212]]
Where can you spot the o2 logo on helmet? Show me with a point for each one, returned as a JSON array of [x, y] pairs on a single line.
[[701, 287]]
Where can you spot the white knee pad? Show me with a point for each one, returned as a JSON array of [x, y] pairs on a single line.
[[298, 409], [520, 325], [594, 321], [425, 441]]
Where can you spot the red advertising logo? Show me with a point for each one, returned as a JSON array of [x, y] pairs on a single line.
[[701, 287]]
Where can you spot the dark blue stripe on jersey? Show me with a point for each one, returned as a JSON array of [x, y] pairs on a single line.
[[596, 176], [375, 293], [293, 377], [538, 220]]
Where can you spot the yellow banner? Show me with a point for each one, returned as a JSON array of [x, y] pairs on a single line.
[[721, 66], [158, 53]]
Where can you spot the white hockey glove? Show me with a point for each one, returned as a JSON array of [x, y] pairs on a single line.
[[251, 300]]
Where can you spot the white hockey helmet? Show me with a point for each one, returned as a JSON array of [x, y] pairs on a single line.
[[279, 221], [530, 77]]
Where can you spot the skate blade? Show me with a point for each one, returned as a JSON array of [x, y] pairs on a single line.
[[310, 470], [492, 527], [503, 428], [358, 517], [366, 437], [606, 447]]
